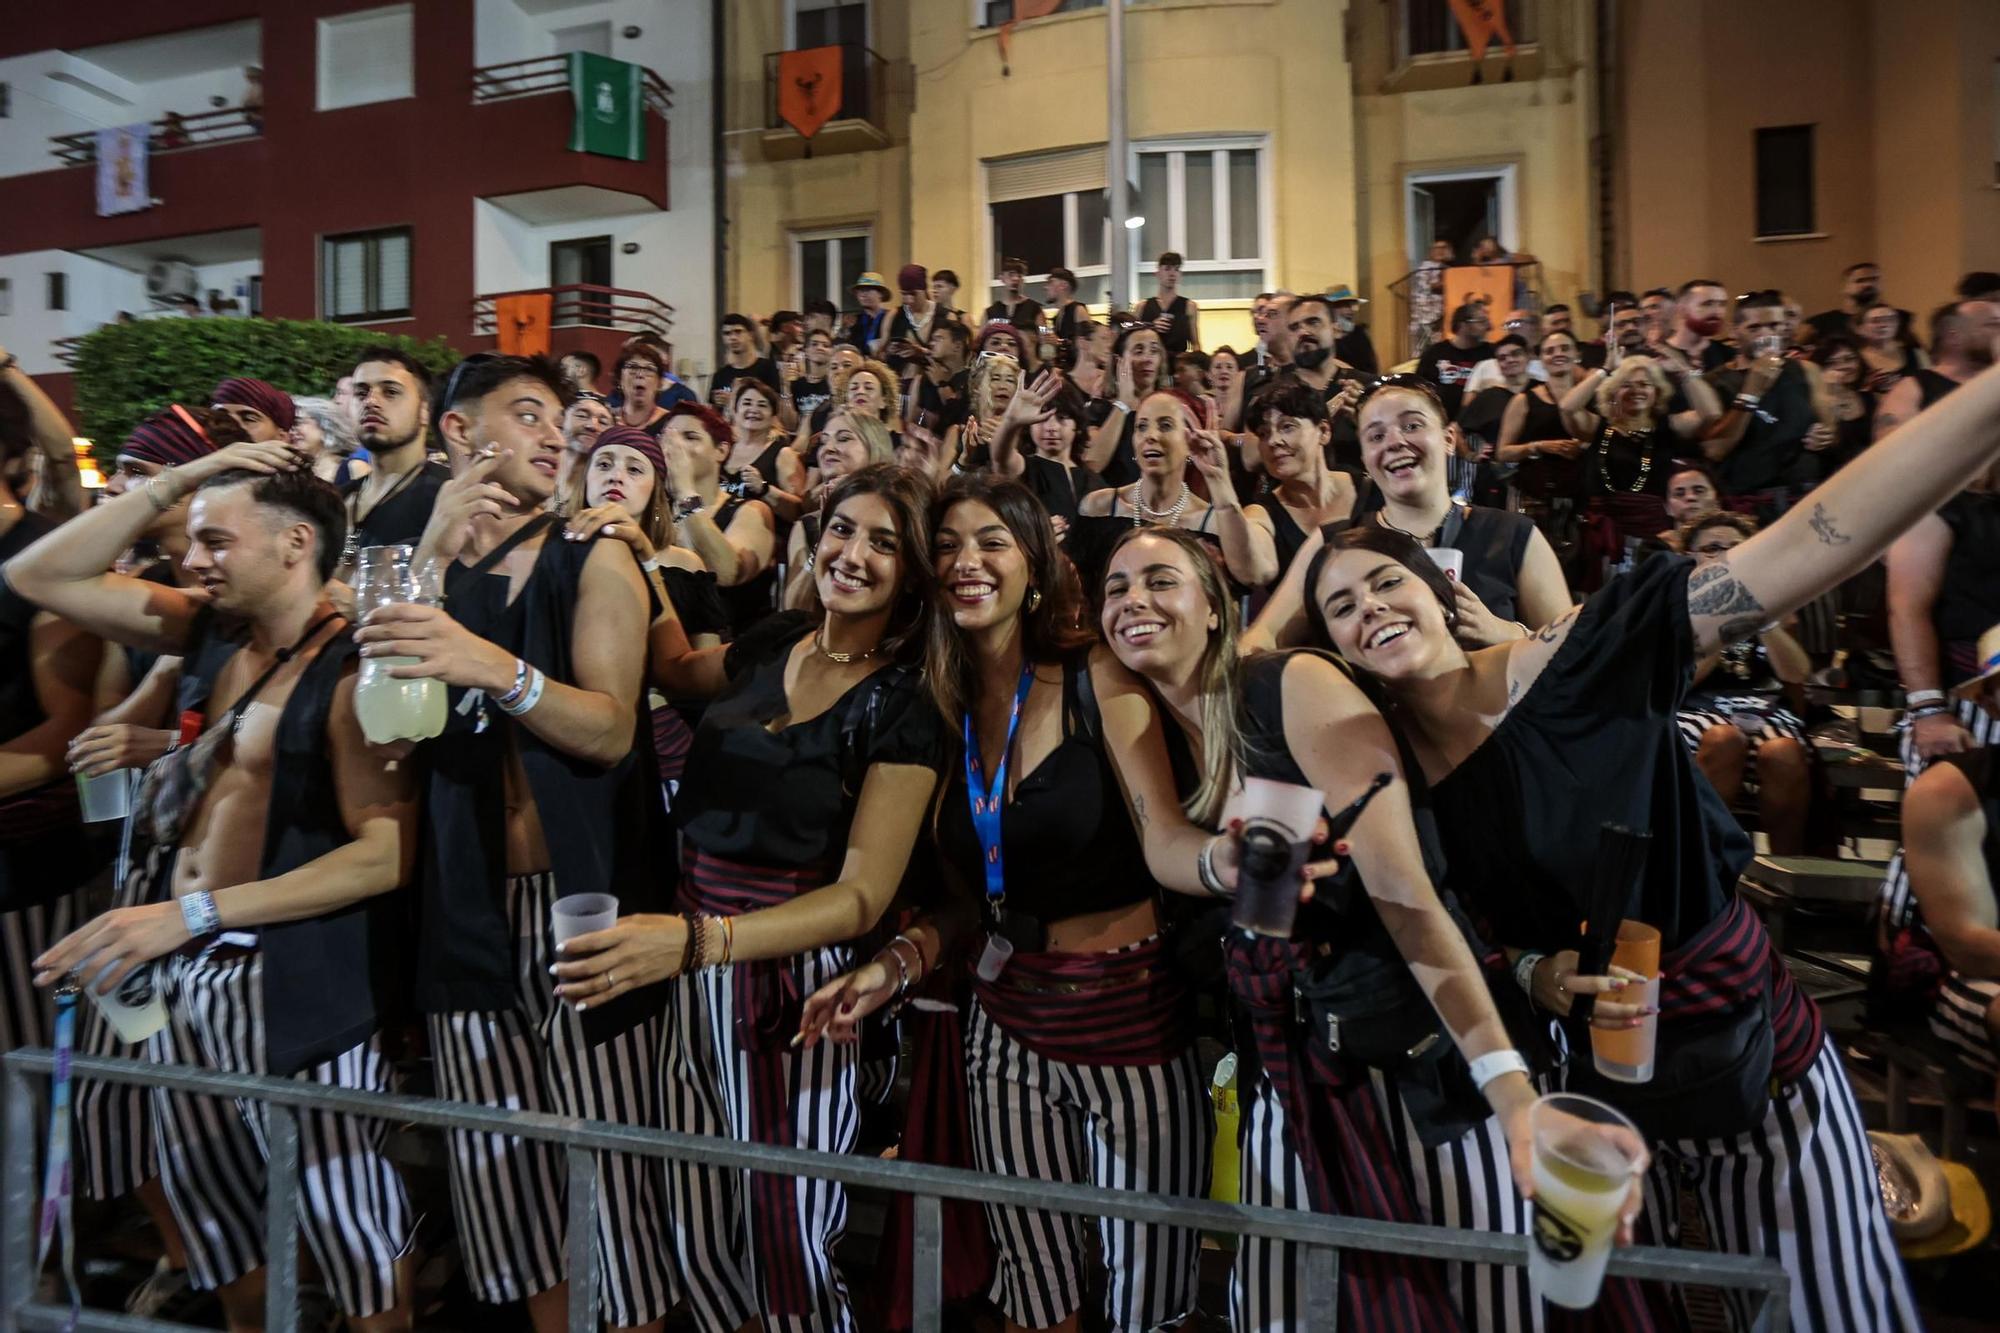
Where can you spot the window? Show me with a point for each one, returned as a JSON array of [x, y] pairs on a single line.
[[826, 263], [1785, 181], [1205, 200], [6, 100], [367, 57], [1430, 28], [1050, 211], [585, 261], [58, 291], [828, 23], [365, 275], [993, 13]]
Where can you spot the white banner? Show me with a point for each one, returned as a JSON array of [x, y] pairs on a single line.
[[121, 170]]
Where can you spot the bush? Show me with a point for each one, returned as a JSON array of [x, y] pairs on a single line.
[[126, 372]]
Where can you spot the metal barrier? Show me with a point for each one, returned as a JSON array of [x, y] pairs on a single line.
[[1323, 1236]]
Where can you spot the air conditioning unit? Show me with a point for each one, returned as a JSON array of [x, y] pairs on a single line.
[[170, 278]]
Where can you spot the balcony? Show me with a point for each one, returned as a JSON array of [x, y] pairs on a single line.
[[521, 119], [171, 133], [585, 306], [859, 124], [550, 74]]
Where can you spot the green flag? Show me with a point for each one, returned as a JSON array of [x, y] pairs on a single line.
[[610, 109]]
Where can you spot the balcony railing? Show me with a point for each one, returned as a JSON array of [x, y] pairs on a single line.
[[862, 83], [170, 134], [583, 305], [550, 74]]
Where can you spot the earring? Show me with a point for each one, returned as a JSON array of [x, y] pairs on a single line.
[[1034, 600]]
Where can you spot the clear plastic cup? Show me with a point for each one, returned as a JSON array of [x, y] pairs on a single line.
[[1449, 559], [106, 797], [1278, 820], [582, 914], [137, 1008], [1585, 1156]]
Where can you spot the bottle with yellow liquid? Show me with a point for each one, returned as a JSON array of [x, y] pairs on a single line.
[[390, 709]]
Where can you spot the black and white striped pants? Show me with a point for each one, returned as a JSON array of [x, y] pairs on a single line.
[[1146, 1128], [707, 1080], [212, 1151], [1898, 905], [27, 1011], [114, 1121], [510, 1195], [1959, 1021]]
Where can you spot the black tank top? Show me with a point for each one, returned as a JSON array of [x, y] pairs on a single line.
[[1932, 386], [746, 603], [1286, 534], [1494, 541], [1066, 836], [1178, 332], [1968, 602]]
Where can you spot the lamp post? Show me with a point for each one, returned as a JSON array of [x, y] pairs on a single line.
[[1115, 169]]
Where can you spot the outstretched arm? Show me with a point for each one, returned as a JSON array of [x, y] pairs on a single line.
[[1850, 520], [60, 494]]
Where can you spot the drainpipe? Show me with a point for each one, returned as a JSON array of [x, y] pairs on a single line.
[[718, 169], [1115, 168], [1609, 93]]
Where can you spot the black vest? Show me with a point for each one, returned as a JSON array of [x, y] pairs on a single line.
[[329, 981]]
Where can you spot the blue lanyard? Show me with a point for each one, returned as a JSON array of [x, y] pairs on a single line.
[[987, 798]]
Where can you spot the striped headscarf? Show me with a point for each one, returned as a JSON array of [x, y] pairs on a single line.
[[169, 437], [272, 401]]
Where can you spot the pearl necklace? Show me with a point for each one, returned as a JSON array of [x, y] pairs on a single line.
[[1142, 514]]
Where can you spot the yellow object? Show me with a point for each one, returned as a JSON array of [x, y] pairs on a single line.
[[1223, 1177], [1971, 1218]]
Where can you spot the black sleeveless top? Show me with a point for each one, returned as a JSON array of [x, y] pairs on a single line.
[[1545, 476], [1618, 463], [1067, 839], [1931, 385], [747, 603], [1059, 488], [1772, 451], [20, 709], [1545, 419], [399, 517], [1968, 602], [785, 798], [1286, 534], [1179, 332], [1495, 543]]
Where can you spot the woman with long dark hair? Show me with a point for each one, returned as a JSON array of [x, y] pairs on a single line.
[[1532, 748], [1061, 827], [806, 789], [1376, 944]]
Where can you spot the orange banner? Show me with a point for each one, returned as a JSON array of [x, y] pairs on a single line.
[[1481, 21], [521, 323], [1492, 285], [1023, 11], [809, 88]]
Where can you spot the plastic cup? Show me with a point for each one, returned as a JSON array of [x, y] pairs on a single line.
[[582, 914], [137, 1008], [1626, 1054], [1449, 559], [1585, 1156], [1278, 820], [106, 797]]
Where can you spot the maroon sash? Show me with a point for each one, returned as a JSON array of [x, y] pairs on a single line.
[[1129, 1007], [671, 741], [1729, 963], [767, 1005]]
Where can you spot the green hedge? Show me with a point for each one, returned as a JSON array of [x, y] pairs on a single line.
[[126, 372]]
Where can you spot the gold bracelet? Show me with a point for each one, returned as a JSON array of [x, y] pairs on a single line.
[[728, 940]]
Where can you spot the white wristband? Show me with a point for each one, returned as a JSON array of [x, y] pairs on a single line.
[[1494, 1064], [1915, 697], [529, 699], [199, 915]]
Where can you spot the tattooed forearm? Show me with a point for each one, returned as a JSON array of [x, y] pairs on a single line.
[[1823, 527], [1139, 810], [1714, 591]]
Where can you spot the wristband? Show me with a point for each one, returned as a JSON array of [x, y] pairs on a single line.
[[728, 924], [689, 507], [513, 696], [515, 708], [922, 970], [1524, 971], [1747, 401], [1915, 697], [650, 566], [153, 495], [1495, 1064], [198, 913], [902, 976], [1922, 711], [693, 960]]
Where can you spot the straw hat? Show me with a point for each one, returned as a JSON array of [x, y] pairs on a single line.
[[1988, 657]]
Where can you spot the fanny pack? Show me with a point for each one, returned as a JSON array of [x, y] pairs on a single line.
[[1711, 1079]]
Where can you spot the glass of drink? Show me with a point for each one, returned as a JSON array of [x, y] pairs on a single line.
[[1626, 1054], [391, 709], [107, 796], [136, 1008], [1449, 559], [582, 914], [1278, 820], [1585, 1156]]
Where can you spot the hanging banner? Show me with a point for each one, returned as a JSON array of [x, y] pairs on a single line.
[[121, 170], [610, 107], [1023, 11], [521, 323], [809, 88], [1490, 285], [1481, 21]]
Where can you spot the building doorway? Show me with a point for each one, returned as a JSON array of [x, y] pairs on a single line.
[[1462, 205]]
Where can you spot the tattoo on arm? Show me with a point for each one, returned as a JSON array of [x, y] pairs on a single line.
[[1714, 591], [1823, 527]]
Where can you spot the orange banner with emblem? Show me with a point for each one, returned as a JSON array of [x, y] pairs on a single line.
[[809, 88], [1481, 21], [1491, 285], [521, 323]]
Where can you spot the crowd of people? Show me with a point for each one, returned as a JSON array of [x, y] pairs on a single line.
[[914, 657]]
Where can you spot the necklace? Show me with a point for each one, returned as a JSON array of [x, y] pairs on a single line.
[[1427, 541], [819, 642], [1645, 459], [1142, 514]]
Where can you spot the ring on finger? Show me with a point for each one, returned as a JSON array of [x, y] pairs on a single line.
[[610, 980]]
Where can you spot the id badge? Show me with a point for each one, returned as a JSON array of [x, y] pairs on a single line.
[[993, 961]]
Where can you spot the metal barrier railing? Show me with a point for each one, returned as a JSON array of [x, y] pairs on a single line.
[[1324, 1236]]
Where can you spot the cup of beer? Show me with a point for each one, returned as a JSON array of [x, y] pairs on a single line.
[[1585, 1156], [1278, 821], [1626, 1054], [1449, 559], [582, 914]]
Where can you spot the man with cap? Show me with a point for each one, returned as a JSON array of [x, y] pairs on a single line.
[[740, 361], [263, 410], [870, 329], [1174, 317], [910, 328], [1353, 346], [1013, 307]]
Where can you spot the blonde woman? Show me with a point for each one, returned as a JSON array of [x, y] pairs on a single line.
[[996, 378], [1625, 466], [871, 389]]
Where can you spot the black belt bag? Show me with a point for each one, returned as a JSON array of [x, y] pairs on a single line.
[[1711, 1079]]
